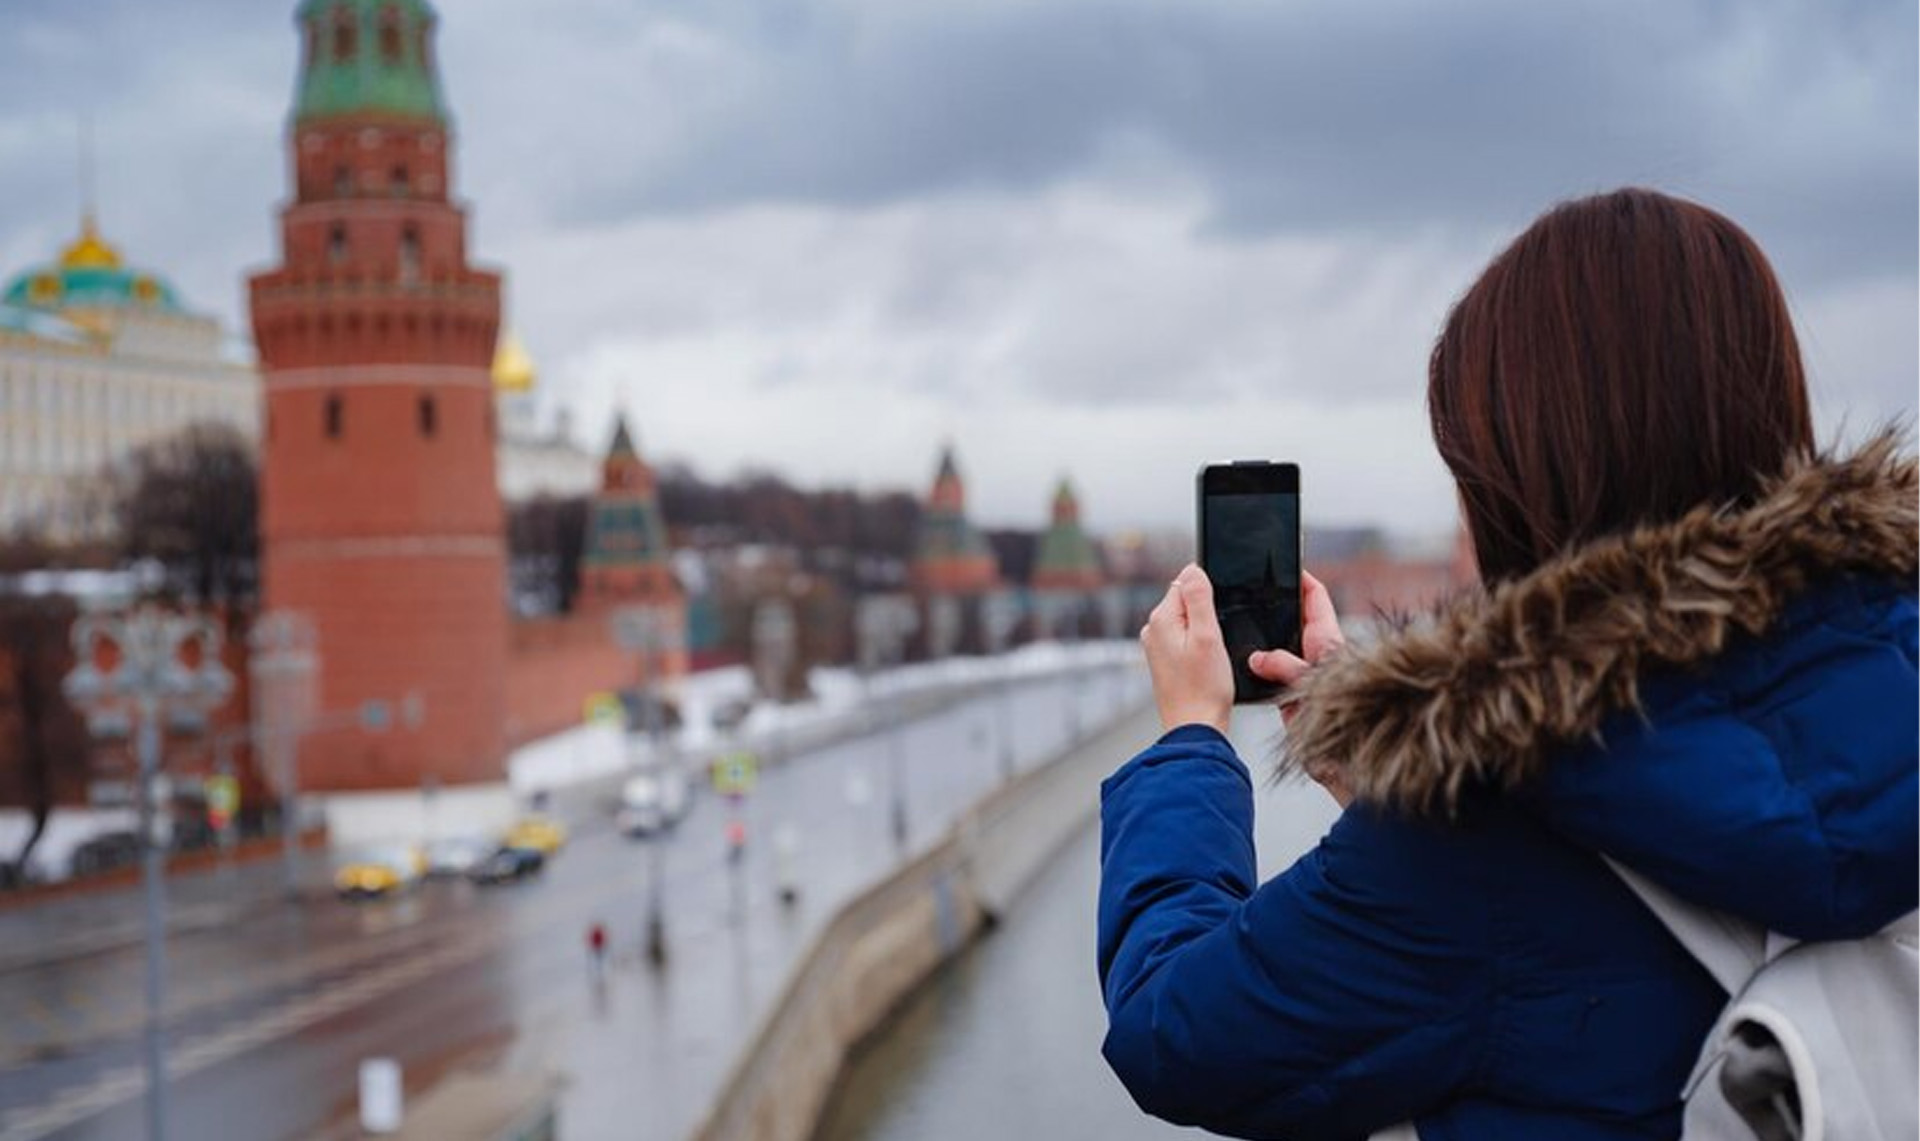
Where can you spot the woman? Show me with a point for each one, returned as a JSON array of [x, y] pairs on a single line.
[[1694, 653]]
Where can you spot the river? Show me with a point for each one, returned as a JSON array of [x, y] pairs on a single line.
[[1005, 1043]]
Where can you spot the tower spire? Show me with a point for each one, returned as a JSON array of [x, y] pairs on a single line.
[[89, 204]]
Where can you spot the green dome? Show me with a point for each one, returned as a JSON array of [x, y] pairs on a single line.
[[90, 275], [53, 287], [366, 56]]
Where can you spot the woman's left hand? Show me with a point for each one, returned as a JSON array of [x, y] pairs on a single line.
[[1192, 679]]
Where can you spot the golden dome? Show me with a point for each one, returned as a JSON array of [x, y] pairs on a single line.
[[89, 251], [513, 369]]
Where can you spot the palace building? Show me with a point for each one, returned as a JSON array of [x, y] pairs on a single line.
[[98, 358], [531, 459]]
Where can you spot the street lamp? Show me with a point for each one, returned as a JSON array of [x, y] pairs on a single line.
[[1000, 611], [881, 626], [651, 632], [775, 636], [160, 663], [282, 666]]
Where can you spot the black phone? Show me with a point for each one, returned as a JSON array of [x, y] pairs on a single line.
[[1249, 537]]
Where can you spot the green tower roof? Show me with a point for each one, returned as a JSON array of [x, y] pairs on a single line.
[[625, 526], [367, 56], [1066, 550]]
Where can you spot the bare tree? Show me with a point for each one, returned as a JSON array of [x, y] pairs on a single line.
[[43, 742], [546, 540], [190, 502]]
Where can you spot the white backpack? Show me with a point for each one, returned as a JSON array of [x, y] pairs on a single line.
[[1819, 1041]]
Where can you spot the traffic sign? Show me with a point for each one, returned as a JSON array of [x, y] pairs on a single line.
[[734, 774], [603, 708], [223, 798]]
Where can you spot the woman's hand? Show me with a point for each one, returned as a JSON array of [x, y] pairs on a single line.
[[1192, 679], [1319, 636]]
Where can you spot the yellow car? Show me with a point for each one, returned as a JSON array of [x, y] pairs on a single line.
[[539, 833], [379, 872]]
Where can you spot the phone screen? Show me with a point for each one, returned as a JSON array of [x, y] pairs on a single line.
[[1250, 549]]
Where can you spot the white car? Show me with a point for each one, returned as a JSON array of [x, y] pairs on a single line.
[[653, 801], [456, 855]]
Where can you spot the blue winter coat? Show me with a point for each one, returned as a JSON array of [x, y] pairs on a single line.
[[1455, 952]]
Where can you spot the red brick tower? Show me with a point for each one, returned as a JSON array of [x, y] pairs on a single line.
[[627, 560], [950, 556], [380, 518]]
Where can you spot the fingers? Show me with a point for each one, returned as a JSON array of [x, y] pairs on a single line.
[[1277, 666], [1320, 626], [1196, 595], [1316, 603]]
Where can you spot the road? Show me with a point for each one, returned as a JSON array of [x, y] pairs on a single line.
[[1006, 1041], [273, 1007]]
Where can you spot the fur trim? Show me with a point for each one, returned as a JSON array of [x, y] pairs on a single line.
[[1479, 690]]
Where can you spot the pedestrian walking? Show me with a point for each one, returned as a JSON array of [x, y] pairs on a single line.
[[786, 863], [597, 950], [1692, 654]]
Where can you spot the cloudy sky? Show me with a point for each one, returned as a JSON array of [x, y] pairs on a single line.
[[1114, 238]]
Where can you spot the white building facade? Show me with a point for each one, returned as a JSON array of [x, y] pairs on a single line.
[[96, 360]]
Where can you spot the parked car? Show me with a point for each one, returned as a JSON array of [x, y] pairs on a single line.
[[653, 801], [508, 865], [105, 852], [380, 871], [455, 855], [542, 834]]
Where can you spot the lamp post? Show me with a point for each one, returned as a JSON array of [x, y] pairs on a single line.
[[650, 632], [881, 626], [999, 613], [775, 636], [158, 663], [282, 666]]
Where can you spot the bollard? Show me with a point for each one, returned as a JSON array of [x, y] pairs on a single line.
[[381, 1096]]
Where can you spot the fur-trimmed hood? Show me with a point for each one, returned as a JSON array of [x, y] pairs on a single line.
[[1482, 691]]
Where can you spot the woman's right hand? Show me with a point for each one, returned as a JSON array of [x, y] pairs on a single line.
[[1319, 636]]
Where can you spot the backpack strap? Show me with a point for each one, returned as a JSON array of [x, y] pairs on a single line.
[[1732, 950]]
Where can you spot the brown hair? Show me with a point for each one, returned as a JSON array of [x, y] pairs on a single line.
[[1628, 357]]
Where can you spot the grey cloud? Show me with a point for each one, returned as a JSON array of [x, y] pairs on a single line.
[[1798, 119]]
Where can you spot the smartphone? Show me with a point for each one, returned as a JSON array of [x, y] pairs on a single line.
[[1249, 537]]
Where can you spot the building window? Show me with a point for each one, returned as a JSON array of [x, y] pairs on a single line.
[[429, 417], [400, 181], [342, 181], [410, 253], [336, 416], [342, 35], [390, 50], [337, 243]]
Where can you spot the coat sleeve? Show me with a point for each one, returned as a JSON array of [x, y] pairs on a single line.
[[1346, 994]]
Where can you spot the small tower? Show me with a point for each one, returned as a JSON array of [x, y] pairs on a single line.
[[626, 556], [380, 516], [950, 556], [627, 560], [1068, 560]]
